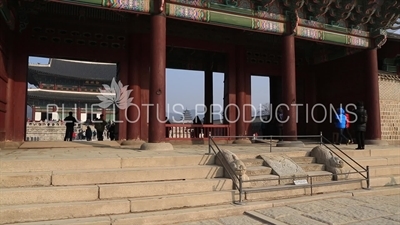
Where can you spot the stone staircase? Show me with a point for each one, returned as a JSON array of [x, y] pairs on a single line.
[[384, 168], [257, 168], [40, 190], [155, 189]]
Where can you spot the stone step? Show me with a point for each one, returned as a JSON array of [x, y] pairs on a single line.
[[375, 161], [148, 189], [185, 215], [112, 176], [304, 159], [64, 210], [98, 220], [320, 176], [161, 217], [286, 192], [258, 170], [383, 181], [55, 211], [36, 195], [182, 201], [203, 213], [253, 162], [28, 179], [262, 181], [294, 154], [385, 152], [377, 171], [311, 166], [269, 180], [30, 164], [370, 152], [168, 161]]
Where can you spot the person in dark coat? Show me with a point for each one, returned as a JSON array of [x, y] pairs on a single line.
[[279, 122], [70, 122], [167, 129], [100, 126], [361, 125], [111, 131], [88, 133]]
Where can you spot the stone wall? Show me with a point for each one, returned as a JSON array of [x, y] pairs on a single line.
[[41, 131], [389, 94], [52, 131]]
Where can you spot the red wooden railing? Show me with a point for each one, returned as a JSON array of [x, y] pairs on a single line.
[[194, 131]]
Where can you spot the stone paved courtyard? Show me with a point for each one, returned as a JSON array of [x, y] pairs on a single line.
[[360, 210]]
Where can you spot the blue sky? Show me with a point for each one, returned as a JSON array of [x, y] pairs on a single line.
[[187, 87]]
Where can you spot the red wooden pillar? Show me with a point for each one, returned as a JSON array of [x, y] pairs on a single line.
[[144, 88], [289, 86], [78, 112], [208, 95], [33, 112], [15, 123], [230, 103], [3, 82], [104, 112], [240, 91], [9, 126], [19, 103], [372, 96], [133, 120], [157, 78], [311, 99], [122, 123], [248, 109]]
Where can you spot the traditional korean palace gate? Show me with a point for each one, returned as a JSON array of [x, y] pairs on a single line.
[[300, 44]]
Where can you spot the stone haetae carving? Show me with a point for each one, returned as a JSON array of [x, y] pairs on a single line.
[[239, 167], [235, 163], [332, 163]]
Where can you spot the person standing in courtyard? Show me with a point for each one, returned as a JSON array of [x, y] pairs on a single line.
[[100, 125], [70, 122], [347, 130], [361, 125], [340, 124], [111, 131], [279, 122], [88, 133]]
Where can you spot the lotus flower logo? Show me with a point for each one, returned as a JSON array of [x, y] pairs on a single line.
[[117, 94]]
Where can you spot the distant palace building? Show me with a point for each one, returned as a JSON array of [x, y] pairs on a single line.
[[67, 85]]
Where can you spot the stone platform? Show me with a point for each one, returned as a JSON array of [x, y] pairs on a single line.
[[105, 183]]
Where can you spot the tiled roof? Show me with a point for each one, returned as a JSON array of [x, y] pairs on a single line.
[[77, 69], [65, 95], [394, 36]]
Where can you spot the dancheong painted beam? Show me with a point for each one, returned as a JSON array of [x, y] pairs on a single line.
[[343, 22]]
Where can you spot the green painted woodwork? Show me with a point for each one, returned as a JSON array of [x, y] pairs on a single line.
[[231, 9], [234, 20], [334, 37], [86, 2], [334, 28], [251, 19]]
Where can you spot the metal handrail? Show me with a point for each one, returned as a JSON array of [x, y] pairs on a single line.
[[321, 142], [271, 137], [364, 169], [237, 180]]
